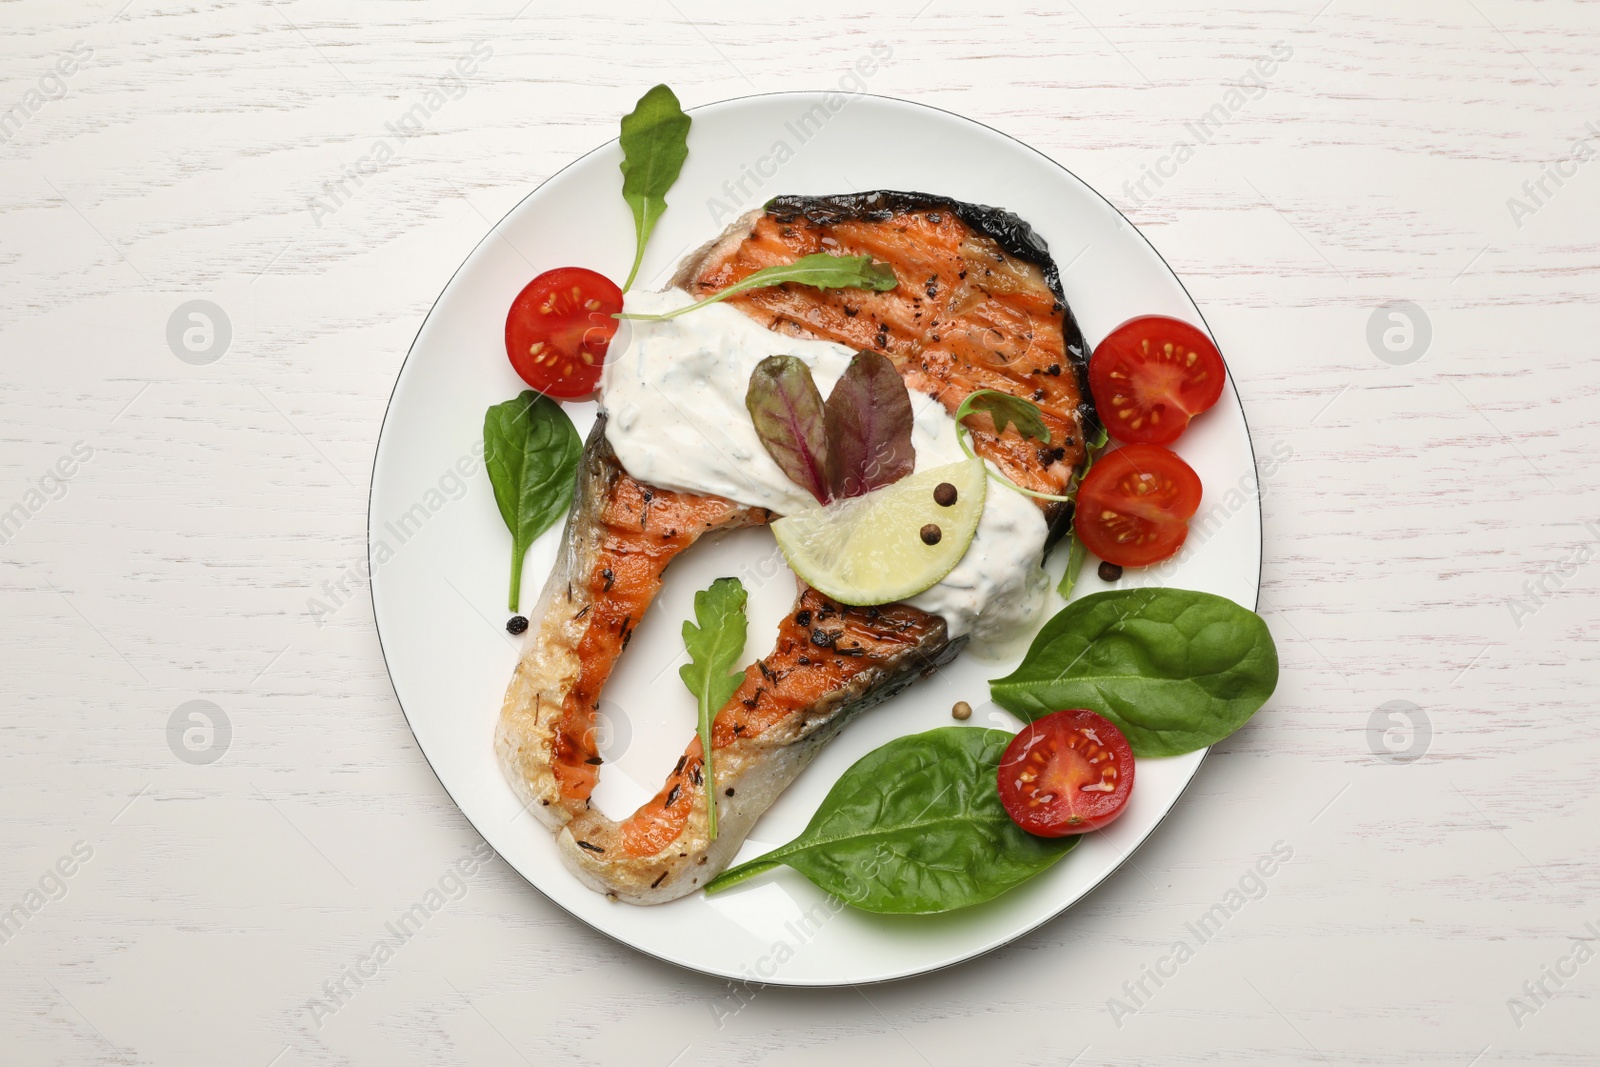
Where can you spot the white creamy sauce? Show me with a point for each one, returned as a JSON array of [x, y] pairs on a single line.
[[674, 393]]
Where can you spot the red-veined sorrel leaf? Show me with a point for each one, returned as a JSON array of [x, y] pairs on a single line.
[[868, 420], [787, 411]]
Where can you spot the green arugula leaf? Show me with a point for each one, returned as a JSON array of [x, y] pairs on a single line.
[[818, 270], [915, 828], [1077, 551], [1175, 670], [714, 645], [655, 142], [1077, 556], [1006, 410], [531, 450]]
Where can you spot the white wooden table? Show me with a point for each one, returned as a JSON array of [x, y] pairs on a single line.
[[1427, 529]]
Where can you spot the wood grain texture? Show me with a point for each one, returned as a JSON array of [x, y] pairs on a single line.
[[179, 163]]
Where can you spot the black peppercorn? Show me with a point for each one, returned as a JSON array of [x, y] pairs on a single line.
[[931, 534], [518, 624]]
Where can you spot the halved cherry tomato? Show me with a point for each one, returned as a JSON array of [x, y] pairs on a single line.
[[559, 328], [1066, 773], [1135, 504], [1151, 376]]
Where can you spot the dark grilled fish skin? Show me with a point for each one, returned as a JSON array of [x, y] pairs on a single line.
[[978, 305]]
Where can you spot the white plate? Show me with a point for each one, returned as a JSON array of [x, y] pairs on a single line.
[[441, 554]]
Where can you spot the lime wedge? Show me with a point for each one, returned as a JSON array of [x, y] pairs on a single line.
[[875, 548]]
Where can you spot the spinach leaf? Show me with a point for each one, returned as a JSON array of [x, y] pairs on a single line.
[[655, 142], [715, 645], [1077, 551], [789, 418], [869, 420], [1175, 670], [915, 827], [531, 450], [818, 270]]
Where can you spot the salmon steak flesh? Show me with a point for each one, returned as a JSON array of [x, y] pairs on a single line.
[[977, 305]]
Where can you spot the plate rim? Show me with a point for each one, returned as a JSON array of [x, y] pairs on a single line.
[[383, 650]]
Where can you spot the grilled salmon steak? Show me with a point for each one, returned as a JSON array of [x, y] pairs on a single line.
[[977, 305]]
